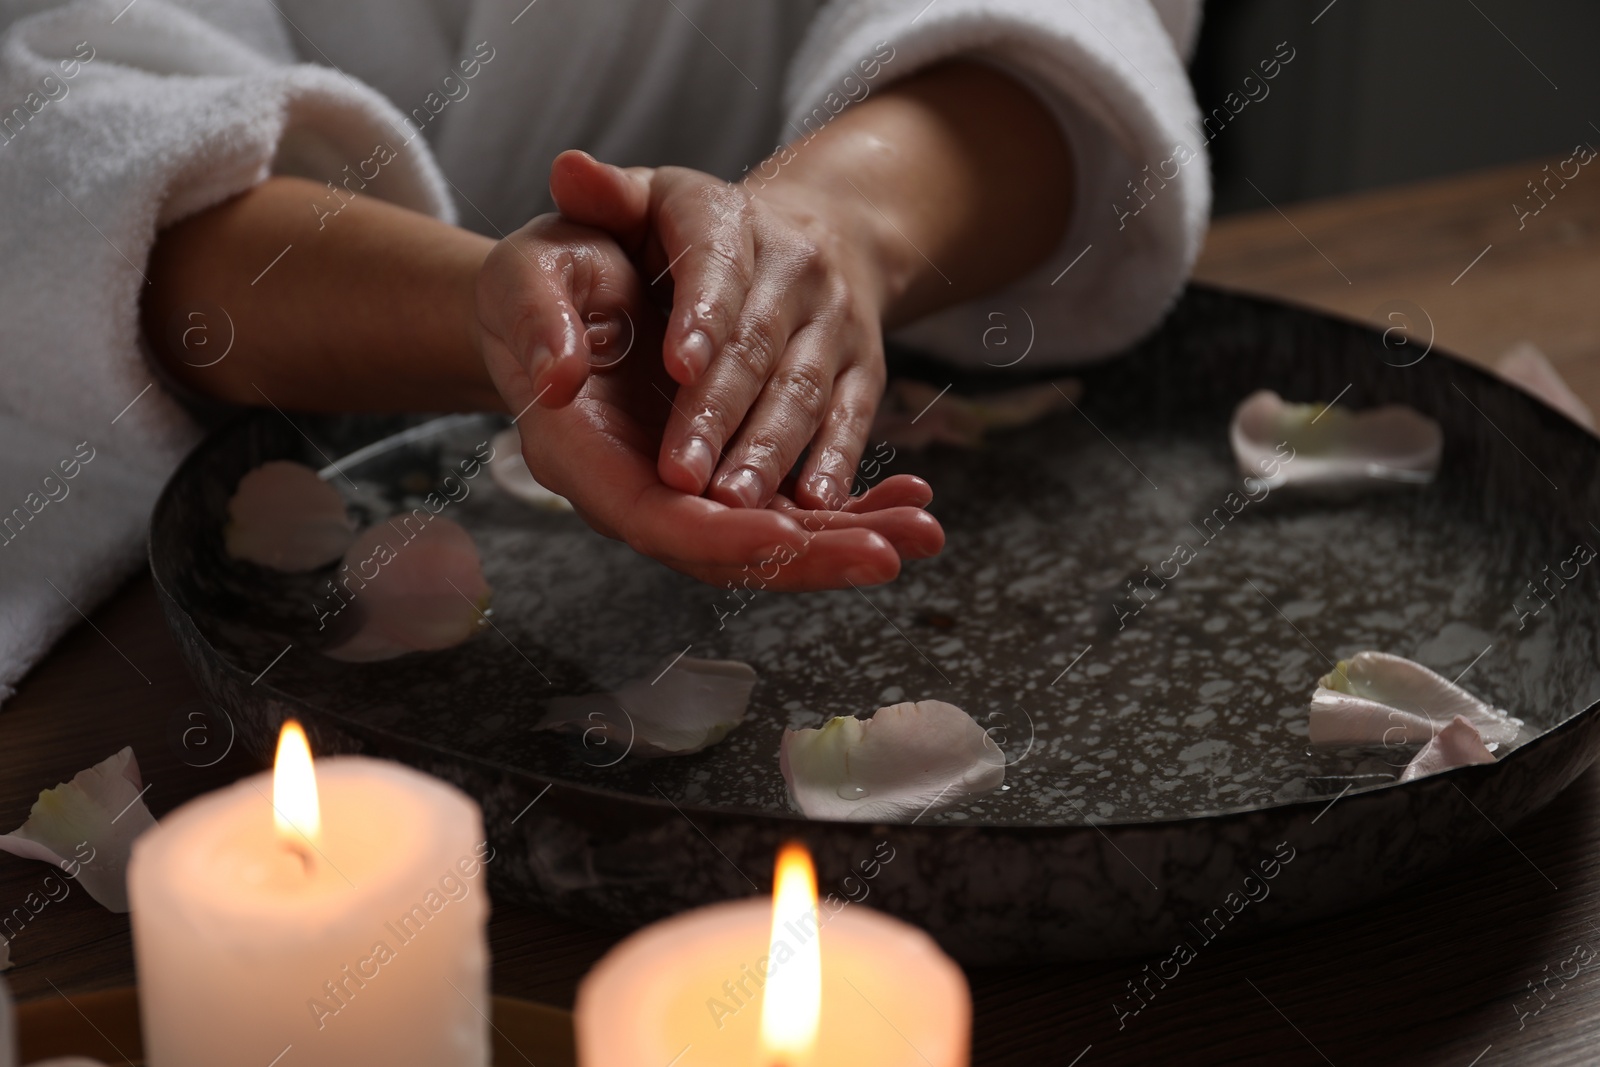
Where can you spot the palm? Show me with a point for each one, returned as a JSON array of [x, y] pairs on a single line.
[[600, 453]]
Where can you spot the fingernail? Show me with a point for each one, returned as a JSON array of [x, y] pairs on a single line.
[[744, 485], [827, 490], [539, 361], [696, 351], [696, 458]]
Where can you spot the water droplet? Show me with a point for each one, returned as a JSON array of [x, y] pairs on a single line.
[[851, 792]]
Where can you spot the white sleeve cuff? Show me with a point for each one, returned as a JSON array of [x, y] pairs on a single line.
[[136, 124], [1110, 71], [123, 119]]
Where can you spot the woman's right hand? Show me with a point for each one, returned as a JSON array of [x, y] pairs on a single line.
[[573, 345]]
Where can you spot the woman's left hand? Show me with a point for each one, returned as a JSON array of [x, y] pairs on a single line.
[[775, 334], [554, 300]]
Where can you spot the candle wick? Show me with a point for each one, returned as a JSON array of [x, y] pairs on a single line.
[[302, 852]]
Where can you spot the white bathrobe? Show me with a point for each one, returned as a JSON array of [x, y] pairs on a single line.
[[118, 118]]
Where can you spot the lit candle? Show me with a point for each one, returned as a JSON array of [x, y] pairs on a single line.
[[785, 984], [315, 917]]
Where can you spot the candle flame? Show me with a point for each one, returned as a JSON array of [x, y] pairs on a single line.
[[294, 788], [791, 1005]]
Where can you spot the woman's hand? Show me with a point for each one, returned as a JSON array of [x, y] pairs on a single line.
[[775, 334], [554, 301], [912, 200], [573, 346]]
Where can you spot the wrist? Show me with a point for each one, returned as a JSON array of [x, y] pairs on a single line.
[[925, 177], [852, 234]]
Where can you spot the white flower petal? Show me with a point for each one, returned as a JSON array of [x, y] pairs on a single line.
[[510, 472], [427, 591], [1318, 446], [1457, 745], [1339, 719], [905, 760], [680, 709], [284, 517], [87, 827], [1375, 698]]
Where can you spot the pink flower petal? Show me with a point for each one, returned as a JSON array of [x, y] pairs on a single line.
[[684, 708], [1526, 367], [1457, 745], [426, 589], [284, 517]]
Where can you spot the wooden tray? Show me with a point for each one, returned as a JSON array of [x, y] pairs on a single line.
[[105, 1026]]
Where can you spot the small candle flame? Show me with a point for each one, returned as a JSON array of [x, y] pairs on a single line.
[[791, 1004], [294, 789]]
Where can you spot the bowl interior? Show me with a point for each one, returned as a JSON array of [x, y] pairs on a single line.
[[1139, 632]]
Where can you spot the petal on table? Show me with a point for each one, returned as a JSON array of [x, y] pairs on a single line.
[[87, 827], [681, 708], [1457, 745], [907, 760]]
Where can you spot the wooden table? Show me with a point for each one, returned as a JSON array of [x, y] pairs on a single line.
[[1440, 975]]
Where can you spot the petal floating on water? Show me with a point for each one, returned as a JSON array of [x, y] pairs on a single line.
[[427, 589], [285, 517], [1457, 745], [1376, 698], [1328, 447], [682, 708], [908, 759]]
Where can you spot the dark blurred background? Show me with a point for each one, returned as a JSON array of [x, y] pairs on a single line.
[[1387, 91]]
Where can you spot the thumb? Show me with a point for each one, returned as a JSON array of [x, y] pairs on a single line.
[[609, 198]]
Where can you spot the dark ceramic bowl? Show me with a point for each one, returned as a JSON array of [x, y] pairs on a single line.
[[1160, 787]]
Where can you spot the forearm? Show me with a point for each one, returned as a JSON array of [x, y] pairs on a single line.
[[959, 178], [371, 308]]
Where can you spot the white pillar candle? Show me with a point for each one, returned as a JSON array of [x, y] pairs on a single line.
[[264, 938], [845, 988]]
